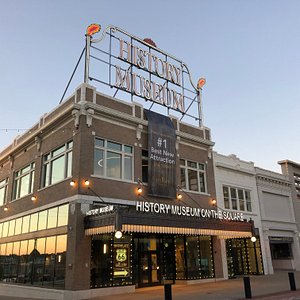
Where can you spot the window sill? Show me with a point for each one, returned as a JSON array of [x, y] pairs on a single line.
[[196, 193], [111, 178], [17, 199], [53, 184]]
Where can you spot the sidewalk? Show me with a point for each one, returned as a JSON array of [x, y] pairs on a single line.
[[269, 287]]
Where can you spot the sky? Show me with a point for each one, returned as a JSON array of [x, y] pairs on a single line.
[[248, 51]]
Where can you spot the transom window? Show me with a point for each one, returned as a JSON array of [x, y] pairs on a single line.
[[193, 176], [3, 190], [57, 164], [237, 199], [23, 183], [113, 160]]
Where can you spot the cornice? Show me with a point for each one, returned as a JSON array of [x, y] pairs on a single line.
[[236, 168], [115, 114]]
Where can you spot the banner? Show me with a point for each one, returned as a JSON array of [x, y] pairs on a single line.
[[161, 156]]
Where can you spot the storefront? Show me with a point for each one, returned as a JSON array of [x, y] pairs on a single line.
[[155, 247], [244, 257], [282, 252]]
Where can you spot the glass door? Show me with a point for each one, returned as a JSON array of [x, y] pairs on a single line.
[[149, 268]]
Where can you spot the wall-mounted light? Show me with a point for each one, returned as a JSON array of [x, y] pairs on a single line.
[[5, 208], [118, 234], [139, 190], [86, 182], [179, 196], [72, 183], [33, 198], [253, 239], [213, 202]]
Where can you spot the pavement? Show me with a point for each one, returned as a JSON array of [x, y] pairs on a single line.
[[263, 287]]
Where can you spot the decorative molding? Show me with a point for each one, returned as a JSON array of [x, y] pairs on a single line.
[[89, 116], [38, 141], [139, 130]]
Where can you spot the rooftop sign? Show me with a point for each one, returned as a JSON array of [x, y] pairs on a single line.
[[126, 63]]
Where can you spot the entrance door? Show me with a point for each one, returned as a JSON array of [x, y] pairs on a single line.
[[150, 272], [239, 262]]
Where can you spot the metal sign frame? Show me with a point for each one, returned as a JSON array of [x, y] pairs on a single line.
[[142, 70]]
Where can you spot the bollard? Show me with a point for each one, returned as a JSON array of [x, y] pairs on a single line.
[[247, 287], [168, 292], [292, 281]]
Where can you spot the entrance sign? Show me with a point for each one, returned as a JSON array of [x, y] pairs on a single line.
[[126, 63], [162, 156], [100, 210], [181, 210]]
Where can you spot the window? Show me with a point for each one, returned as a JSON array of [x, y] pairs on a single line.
[[40, 262], [281, 251], [24, 178], [192, 176], [144, 165], [57, 164], [237, 199], [226, 197], [45, 219], [296, 180], [113, 160], [3, 190]]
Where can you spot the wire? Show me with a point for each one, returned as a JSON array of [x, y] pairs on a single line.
[[13, 129], [179, 188], [72, 76]]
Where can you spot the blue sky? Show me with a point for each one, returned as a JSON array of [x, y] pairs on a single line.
[[248, 51]]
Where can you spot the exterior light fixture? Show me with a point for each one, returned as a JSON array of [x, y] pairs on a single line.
[[201, 83], [118, 234], [86, 182], [139, 190], [253, 239], [5, 208], [213, 202], [72, 183], [33, 198], [179, 196]]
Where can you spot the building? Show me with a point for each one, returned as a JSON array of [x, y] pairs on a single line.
[[292, 171], [105, 195], [279, 226], [265, 197], [237, 191]]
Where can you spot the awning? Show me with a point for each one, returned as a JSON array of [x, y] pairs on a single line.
[[129, 220]]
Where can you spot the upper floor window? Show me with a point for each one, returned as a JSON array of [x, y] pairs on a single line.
[[3, 190], [237, 199], [23, 183], [113, 160], [57, 164], [193, 176], [297, 183], [144, 165]]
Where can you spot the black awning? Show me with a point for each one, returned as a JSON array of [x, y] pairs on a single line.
[[128, 219]]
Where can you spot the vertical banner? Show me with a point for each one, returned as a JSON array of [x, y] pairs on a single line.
[[162, 156]]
